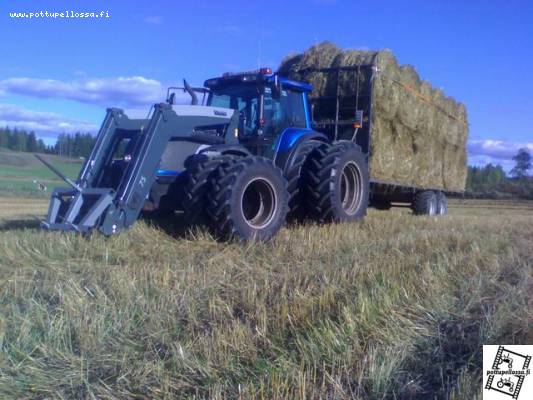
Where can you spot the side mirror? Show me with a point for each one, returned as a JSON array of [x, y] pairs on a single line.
[[276, 88]]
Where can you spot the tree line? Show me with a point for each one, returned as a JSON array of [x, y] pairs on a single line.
[[67, 145], [491, 181], [20, 140], [484, 178], [486, 181]]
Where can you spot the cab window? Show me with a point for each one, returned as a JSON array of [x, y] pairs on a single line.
[[287, 111], [242, 99]]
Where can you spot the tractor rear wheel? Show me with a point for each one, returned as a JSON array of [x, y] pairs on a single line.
[[199, 170], [295, 179], [425, 203], [248, 199], [337, 182]]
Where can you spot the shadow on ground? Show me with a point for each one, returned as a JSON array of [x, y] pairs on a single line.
[[173, 224], [19, 224]]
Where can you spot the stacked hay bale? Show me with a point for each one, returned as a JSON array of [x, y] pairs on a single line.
[[418, 134]]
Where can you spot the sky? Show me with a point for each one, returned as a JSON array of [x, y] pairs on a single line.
[[60, 74]]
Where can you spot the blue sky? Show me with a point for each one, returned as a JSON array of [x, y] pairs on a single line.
[[60, 74]]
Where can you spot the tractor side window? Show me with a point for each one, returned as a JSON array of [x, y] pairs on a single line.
[[248, 111], [296, 110], [286, 112]]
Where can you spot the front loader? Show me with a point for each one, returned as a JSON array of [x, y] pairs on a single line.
[[117, 177]]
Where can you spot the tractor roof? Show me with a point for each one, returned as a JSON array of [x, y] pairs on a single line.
[[263, 75]]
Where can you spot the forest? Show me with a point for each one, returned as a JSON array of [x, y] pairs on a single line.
[[66, 145]]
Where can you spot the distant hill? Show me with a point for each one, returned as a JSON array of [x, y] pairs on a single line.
[[19, 170], [23, 159]]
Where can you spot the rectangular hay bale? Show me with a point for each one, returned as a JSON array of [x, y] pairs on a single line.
[[418, 135]]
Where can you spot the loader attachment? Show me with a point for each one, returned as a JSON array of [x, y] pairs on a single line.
[[75, 210], [115, 180]]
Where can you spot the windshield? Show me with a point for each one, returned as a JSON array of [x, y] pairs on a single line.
[[244, 99]]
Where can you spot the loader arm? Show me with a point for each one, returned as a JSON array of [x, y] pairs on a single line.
[[111, 192]]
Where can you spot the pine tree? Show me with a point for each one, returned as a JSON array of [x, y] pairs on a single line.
[[523, 164], [31, 142], [4, 138]]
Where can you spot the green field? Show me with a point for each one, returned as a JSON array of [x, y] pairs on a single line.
[[395, 306], [18, 171]]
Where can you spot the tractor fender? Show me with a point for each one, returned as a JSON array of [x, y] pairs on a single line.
[[284, 159]]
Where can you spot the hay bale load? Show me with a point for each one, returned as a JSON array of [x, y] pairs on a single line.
[[418, 135]]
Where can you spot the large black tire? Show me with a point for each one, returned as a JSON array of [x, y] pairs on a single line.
[[248, 199], [425, 203], [295, 180], [337, 183], [199, 170], [442, 204]]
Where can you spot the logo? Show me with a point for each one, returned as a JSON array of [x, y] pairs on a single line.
[[506, 372]]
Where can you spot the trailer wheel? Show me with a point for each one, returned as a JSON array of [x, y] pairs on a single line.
[[442, 204], [248, 200], [295, 179], [425, 203], [195, 186], [337, 182]]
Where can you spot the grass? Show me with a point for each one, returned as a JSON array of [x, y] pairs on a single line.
[[19, 170], [395, 306]]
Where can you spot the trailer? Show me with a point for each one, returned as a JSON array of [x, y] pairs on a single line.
[[349, 117]]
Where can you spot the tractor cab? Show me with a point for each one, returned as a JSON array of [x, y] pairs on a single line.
[[268, 107]]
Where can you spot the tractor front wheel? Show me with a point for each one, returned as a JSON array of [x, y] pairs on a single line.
[[200, 169], [248, 200]]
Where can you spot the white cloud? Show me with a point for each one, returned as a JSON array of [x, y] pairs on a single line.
[[485, 160], [44, 123], [489, 151], [497, 149], [134, 91]]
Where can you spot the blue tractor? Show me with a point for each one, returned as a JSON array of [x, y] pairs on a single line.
[[242, 161]]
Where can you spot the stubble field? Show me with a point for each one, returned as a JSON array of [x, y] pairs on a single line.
[[395, 306]]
